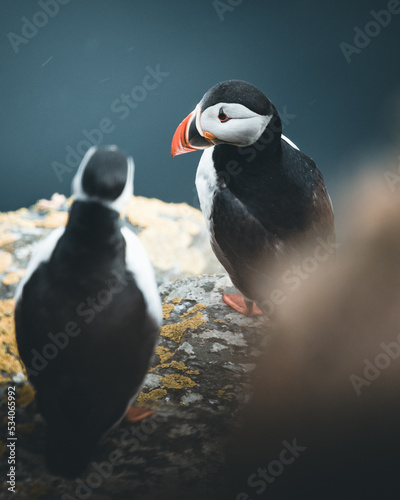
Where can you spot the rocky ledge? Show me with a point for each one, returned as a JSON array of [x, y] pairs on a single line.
[[198, 382], [173, 234]]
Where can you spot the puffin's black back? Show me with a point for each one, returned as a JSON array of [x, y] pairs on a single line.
[[76, 391], [84, 390], [274, 203], [84, 317]]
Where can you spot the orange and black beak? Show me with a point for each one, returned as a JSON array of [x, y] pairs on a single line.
[[187, 137]]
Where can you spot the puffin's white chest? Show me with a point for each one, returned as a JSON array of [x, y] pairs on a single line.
[[206, 184]]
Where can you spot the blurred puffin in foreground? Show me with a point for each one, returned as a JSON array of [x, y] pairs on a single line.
[[88, 315], [323, 422], [260, 196]]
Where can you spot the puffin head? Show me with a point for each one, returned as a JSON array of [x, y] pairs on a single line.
[[232, 112], [105, 175]]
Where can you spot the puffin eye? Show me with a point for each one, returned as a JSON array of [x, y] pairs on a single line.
[[222, 116]]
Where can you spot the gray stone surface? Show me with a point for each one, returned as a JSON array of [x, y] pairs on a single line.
[[198, 381]]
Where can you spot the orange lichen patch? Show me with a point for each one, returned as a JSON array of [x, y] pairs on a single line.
[[7, 307], [193, 372], [13, 277], [167, 310], [53, 220], [147, 212], [5, 261], [6, 237], [219, 321], [177, 381], [168, 232], [10, 362], [175, 331], [25, 395], [176, 300], [149, 397], [197, 307], [18, 218], [164, 353]]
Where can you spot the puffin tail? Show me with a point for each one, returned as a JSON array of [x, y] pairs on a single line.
[[67, 456]]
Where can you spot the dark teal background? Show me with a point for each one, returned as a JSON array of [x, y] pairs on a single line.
[[69, 74]]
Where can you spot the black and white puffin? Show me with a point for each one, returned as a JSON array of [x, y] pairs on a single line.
[[260, 196], [88, 315]]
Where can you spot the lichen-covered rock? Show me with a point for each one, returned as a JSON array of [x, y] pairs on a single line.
[[174, 236], [198, 381]]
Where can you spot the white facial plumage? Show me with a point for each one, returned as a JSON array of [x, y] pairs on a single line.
[[241, 127]]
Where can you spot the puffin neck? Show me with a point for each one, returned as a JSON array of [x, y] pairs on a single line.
[[91, 221], [250, 161]]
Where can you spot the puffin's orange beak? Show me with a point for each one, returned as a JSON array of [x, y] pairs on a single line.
[[187, 138]]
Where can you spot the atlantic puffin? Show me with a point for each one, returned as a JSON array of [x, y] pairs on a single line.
[[259, 194], [88, 315]]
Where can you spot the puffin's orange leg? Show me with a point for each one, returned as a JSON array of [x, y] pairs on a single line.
[[241, 305], [136, 413]]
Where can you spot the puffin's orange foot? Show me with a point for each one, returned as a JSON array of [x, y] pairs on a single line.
[[136, 414], [241, 305]]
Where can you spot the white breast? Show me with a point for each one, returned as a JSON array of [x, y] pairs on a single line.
[[138, 263], [206, 184], [42, 253]]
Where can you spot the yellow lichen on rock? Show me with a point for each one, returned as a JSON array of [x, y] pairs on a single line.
[[178, 365], [18, 218], [13, 278], [149, 397], [176, 300], [193, 372], [10, 362], [7, 237], [5, 261], [177, 381], [219, 321], [197, 307], [175, 331], [222, 393], [147, 212], [25, 395], [53, 220], [168, 233], [167, 310], [164, 353]]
